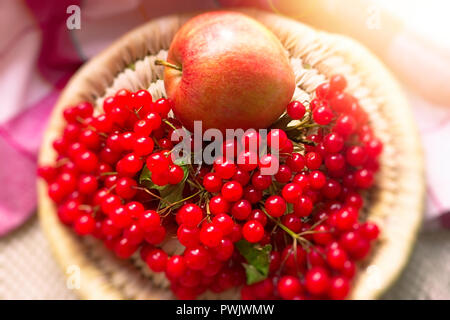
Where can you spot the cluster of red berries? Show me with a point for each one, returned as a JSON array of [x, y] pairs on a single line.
[[308, 211]]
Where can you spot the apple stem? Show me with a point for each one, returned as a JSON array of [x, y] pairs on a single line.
[[167, 64]]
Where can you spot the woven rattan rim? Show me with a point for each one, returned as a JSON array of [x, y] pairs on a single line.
[[396, 203]]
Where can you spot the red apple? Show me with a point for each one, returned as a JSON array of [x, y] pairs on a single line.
[[229, 71]]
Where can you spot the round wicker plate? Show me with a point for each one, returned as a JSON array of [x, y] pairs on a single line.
[[395, 203]]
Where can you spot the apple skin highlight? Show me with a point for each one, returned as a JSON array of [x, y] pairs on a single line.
[[234, 73]]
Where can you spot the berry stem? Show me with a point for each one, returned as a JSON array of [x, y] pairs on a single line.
[[193, 184], [61, 162], [136, 112], [317, 223], [306, 119], [167, 64], [208, 212], [152, 194], [194, 181], [111, 173], [156, 142], [286, 229], [169, 124], [181, 201], [273, 188], [294, 246], [307, 142], [84, 207], [80, 120], [310, 125]]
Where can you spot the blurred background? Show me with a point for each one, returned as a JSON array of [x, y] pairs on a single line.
[[40, 50]]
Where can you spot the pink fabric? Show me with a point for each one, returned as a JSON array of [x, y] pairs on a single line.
[[434, 126], [38, 54]]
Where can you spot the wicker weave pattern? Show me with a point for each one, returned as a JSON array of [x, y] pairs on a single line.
[[396, 202]]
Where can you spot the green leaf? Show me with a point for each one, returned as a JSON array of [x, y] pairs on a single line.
[[253, 275], [182, 161], [289, 208], [170, 192], [146, 175], [257, 266]]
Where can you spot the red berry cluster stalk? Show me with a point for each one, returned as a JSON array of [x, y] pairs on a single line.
[[302, 223]]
